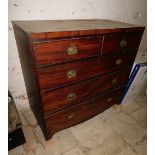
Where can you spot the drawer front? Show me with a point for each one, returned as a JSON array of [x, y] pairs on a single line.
[[63, 97], [119, 42], [81, 112], [66, 50], [77, 71]]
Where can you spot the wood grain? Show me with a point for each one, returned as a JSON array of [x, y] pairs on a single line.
[[24, 44], [112, 42], [81, 112], [74, 28], [56, 76], [50, 75], [55, 51], [57, 99]]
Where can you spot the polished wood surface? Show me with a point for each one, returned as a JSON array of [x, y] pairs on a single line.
[[55, 51], [112, 42], [81, 112], [58, 99], [74, 69], [56, 76], [27, 61], [74, 28]]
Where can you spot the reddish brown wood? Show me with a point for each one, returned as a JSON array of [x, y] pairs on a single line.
[[42, 46], [82, 33], [81, 112], [57, 75], [74, 28], [57, 99], [55, 51], [112, 42], [24, 45]]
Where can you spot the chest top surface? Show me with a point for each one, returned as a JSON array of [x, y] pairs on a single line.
[[70, 25]]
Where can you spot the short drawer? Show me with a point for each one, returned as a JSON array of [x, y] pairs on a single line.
[[67, 96], [81, 112], [68, 73], [121, 41], [58, 51]]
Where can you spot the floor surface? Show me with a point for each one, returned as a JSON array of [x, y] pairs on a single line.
[[120, 130]]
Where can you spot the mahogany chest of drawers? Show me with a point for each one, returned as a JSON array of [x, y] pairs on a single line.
[[74, 69]]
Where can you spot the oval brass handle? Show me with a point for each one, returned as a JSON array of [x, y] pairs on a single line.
[[71, 73], [72, 50], [114, 81], [71, 96], [123, 43], [118, 62], [70, 116], [109, 99]]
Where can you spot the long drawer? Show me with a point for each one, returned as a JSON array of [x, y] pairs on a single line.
[[58, 51], [119, 42], [52, 77], [81, 112], [63, 97]]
